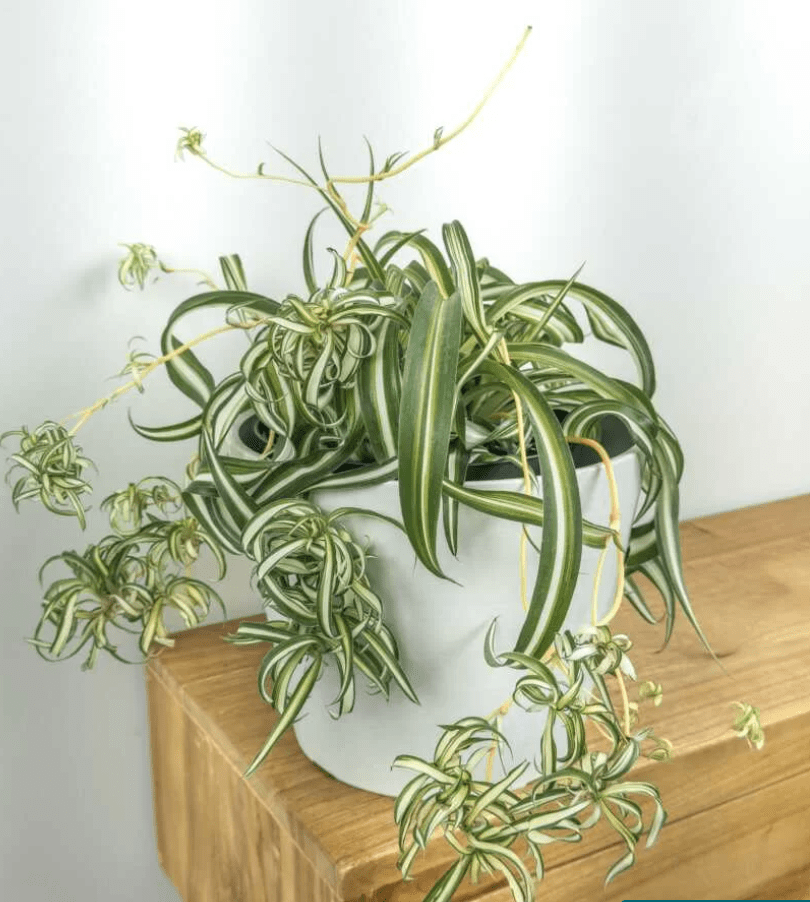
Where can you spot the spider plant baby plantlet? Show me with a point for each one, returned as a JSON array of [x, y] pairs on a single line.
[[51, 467], [383, 430]]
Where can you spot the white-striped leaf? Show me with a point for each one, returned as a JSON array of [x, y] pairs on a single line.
[[309, 264], [205, 510], [432, 258], [186, 371], [189, 374], [612, 323], [323, 606], [532, 302], [298, 476], [391, 663], [561, 544], [235, 499], [264, 516], [233, 272], [625, 862], [344, 655], [395, 242], [494, 792], [466, 278], [644, 432], [544, 355], [669, 543], [291, 711], [451, 880], [417, 276], [520, 508], [457, 460], [643, 545], [338, 277], [176, 432], [227, 402], [426, 415], [379, 385], [358, 477], [634, 595]]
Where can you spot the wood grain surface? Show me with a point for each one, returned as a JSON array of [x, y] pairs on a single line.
[[739, 820]]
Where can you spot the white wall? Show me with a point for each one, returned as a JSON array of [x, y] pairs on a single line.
[[666, 143]]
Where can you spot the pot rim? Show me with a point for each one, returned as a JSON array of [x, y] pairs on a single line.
[[501, 482], [617, 458]]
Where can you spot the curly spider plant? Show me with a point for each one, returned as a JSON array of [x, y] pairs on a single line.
[[417, 371], [412, 362]]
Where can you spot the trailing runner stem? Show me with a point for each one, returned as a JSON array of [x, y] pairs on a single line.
[[84, 415]]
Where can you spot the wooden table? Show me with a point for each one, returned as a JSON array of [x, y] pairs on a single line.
[[739, 820]]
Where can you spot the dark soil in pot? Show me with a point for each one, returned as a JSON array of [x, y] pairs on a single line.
[[615, 438]]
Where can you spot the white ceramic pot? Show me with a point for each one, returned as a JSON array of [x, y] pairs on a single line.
[[440, 629]]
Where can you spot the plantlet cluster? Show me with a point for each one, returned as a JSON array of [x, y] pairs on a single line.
[[312, 572], [52, 468], [130, 579]]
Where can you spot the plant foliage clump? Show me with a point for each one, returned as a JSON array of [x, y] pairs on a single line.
[[412, 361]]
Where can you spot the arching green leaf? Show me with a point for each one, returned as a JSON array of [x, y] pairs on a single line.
[[426, 415], [561, 545]]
